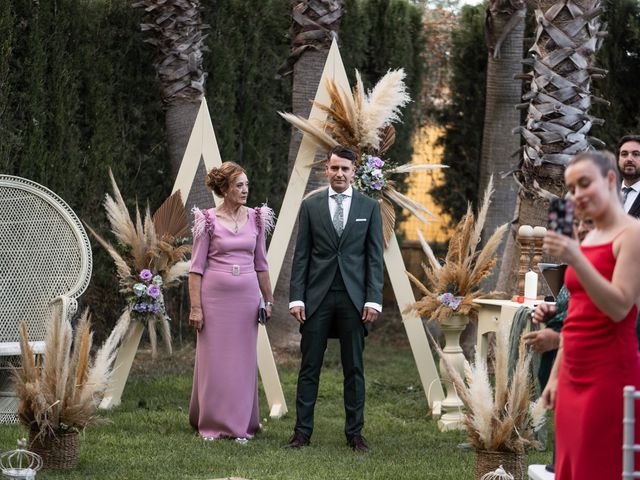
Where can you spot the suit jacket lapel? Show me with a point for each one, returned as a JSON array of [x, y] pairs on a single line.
[[353, 211], [635, 207], [325, 215]]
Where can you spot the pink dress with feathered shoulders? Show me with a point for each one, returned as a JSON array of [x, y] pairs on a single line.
[[224, 398]]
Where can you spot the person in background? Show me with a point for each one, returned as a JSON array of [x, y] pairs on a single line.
[[547, 340], [629, 166]]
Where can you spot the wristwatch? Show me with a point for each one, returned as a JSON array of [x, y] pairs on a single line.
[[268, 304]]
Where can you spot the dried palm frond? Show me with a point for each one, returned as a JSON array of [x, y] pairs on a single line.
[[64, 394], [405, 202], [433, 261], [387, 139], [317, 134], [454, 285], [344, 126], [388, 220], [493, 423], [171, 220], [416, 167]]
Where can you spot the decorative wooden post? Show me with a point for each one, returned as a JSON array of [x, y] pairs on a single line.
[[202, 145]]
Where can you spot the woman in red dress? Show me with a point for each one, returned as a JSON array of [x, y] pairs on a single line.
[[598, 353]]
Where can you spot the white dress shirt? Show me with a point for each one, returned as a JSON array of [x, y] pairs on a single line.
[[346, 205], [631, 197]]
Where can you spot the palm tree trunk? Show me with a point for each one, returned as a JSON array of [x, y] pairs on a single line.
[[314, 24], [176, 29], [504, 33], [558, 102]]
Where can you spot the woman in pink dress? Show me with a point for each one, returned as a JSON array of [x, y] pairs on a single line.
[[598, 353], [228, 273]]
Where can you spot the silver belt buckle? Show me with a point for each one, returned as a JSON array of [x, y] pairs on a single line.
[[235, 270]]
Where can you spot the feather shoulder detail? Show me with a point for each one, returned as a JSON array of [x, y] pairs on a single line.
[[265, 218], [203, 222]]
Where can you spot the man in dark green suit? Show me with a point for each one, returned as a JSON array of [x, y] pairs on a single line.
[[336, 290]]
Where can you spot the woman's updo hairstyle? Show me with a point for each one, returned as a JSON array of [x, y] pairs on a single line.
[[219, 178], [604, 160]]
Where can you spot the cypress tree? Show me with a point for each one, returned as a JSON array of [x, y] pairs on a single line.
[[463, 117]]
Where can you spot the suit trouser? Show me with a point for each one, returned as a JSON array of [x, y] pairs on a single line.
[[336, 309]]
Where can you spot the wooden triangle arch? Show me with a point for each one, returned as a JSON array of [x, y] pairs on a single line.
[[202, 145], [334, 69]]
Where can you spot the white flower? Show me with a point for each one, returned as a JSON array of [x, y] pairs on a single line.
[[139, 289]]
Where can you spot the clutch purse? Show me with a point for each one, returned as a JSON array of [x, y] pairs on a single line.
[[262, 313]]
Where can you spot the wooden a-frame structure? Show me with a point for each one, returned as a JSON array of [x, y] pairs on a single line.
[[203, 146]]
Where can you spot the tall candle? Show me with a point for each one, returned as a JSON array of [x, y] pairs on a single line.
[[530, 285]]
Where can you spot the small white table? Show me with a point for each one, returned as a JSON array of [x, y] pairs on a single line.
[[538, 472], [492, 313]]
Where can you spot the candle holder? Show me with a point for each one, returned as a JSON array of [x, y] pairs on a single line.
[[526, 242], [20, 464]]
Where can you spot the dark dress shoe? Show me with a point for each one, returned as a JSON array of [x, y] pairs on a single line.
[[298, 440], [358, 444]]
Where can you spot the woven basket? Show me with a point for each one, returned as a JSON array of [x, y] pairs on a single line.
[[60, 452], [514, 463]]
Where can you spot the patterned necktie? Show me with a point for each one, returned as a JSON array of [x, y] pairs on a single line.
[[338, 215], [625, 194]]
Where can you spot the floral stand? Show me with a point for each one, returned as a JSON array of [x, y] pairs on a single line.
[[452, 405]]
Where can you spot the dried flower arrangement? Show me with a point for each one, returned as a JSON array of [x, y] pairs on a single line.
[[149, 257], [501, 418], [61, 396], [452, 287], [363, 121]]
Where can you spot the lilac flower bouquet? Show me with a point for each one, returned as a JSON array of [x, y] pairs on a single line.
[[371, 175], [146, 296]]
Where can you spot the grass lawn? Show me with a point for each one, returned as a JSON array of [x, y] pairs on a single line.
[[150, 436]]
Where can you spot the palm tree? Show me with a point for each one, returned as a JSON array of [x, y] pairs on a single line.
[[568, 34], [315, 22], [504, 32], [176, 29]]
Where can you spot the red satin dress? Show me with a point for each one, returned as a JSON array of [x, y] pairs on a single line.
[[599, 358]]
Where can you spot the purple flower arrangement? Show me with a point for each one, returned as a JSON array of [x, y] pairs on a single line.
[[147, 294], [449, 300], [370, 176]]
